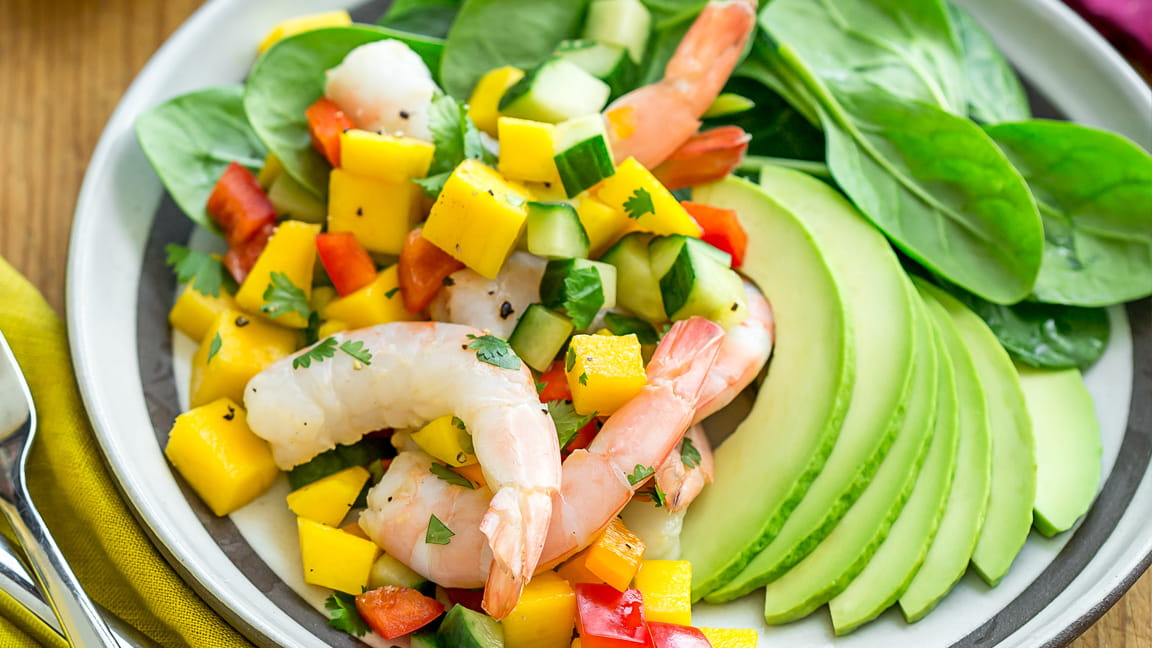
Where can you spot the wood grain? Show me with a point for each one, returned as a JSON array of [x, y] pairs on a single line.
[[63, 66]]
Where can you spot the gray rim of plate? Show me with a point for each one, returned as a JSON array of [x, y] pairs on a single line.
[[98, 319]]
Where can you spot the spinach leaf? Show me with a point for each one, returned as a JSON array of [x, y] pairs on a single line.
[[191, 139], [777, 129], [290, 76], [1094, 190], [478, 41], [993, 90], [456, 139], [427, 17]]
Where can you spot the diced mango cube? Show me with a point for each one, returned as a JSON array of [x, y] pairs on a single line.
[[219, 456], [635, 192], [484, 105], [604, 225], [301, 24], [616, 555], [575, 570], [330, 328], [478, 217], [473, 473], [545, 615], [546, 191], [321, 297], [194, 312], [604, 372], [526, 150], [379, 212], [328, 500], [291, 251], [333, 558], [731, 637], [377, 303], [447, 439], [667, 589], [236, 348], [386, 157]]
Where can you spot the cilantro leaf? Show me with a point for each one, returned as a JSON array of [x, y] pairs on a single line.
[[570, 359], [639, 203], [567, 421], [657, 495], [282, 297], [540, 386], [456, 139], [577, 291], [318, 353], [437, 533], [392, 293], [356, 350], [312, 331], [689, 455], [495, 351], [206, 272], [458, 423], [214, 347], [451, 476], [621, 324], [640, 473], [344, 615], [584, 378]]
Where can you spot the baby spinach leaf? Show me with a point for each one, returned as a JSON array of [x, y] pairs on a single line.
[[427, 17], [1094, 191], [289, 77], [478, 41], [777, 129], [191, 139], [993, 90]]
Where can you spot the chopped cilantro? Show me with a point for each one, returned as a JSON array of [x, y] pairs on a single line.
[[312, 331], [456, 139], [584, 378], [625, 324], [458, 423], [657, 495], [451, 476], [567, 421], [283, 297], [356, 350], [318, 353], [570, 359], [640, 473], [344, 616], [214, 347], [392, 293], [540, 386], [639, 204], [493, 350], [579, 292], [206, 272], [437, 533], [689, 455]]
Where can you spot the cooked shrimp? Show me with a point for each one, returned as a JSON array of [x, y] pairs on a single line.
[[680, 482], [743, 353], [420, 371], [651, 122], [496, 304], [384, 86]]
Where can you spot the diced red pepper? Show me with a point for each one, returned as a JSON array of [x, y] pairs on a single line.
[[671, 635], [609, 618], [555, 383], [469, 598], [704, 157], [239, 260], [394, 611], [422, 269], [346, 261], [583, 438], [239, 206], [325, 124], [722, 229]]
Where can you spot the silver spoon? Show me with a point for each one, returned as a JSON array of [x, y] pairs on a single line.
[[82, 625]]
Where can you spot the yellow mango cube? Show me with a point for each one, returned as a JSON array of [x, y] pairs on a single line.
[[301, 24], [545, 615], [604, 225], [291, 252], [484, 105], [334, 558], [236, 348], [604, 372], [214, 450], [377, 303], [330, 328], [731, 637], [328, 499], [386, 157], [667, 589], [379, 212], [526, 150], [616, 555], [635, 192], [447, 439], [321, 297], [546, 191], [478, 217], [194, 312]]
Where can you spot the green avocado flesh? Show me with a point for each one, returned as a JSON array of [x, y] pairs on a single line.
[[1067, 446], [880, 302], [832, 565], [783, 443], [1013, 488], [947, 557], [896, 561]]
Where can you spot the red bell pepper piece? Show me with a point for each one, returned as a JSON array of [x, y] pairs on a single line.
[[609, 618], [346, 261], [469, 598], [325, 124], [722, 229], [422, 269], [239, 206], [671, 635], [394, 611], [239, 260], [555, 384], [583, 438], [704, 157]]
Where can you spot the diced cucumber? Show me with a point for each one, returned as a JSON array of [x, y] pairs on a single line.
[[621, 324], [610, 63], [557, 90], [582, 155], [464, 628], [539, 336], [292, 200], [426, 640], [387, 570], [638, 289], [579, 287], [694, 281], [626, 23], [553, 231], [662, 251]]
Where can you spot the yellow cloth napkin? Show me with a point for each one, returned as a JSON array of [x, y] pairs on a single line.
[[112, 556]]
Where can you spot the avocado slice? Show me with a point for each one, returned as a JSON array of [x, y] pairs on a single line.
[[947, 558], [764, 468], [896, 561], [1009, 515], [1067, 446], [880, 299], [832, 565]]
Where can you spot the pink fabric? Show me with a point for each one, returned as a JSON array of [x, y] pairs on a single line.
[[1127, 23]]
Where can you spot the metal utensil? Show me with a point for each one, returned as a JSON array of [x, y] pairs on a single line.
[[82, 625]]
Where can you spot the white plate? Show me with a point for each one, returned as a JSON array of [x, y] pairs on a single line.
[[119, 293]]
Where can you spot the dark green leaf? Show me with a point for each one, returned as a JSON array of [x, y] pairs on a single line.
[[638, 204], [567, 421], [206, 272], [318, 353], [282, 297], [456, 139], [214, 347], [437, 533], [576, 291], [344, 616], [392, 293], [993, 90], [777, 129], [583, 378], [452, 477], [364, 452], [458, 423], [356, 350], [426, 17], [626, 325], [570, 359], [689, 455], [493, 350], [640, 473], [658, 497], [312, 330]]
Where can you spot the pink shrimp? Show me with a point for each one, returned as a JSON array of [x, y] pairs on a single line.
[[680, 482], [651, 122]]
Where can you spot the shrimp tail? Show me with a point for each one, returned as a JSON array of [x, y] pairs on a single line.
[[516, 525], [685, 355], [681, 483]]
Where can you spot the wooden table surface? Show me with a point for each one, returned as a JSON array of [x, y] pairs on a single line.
[[63, 67]]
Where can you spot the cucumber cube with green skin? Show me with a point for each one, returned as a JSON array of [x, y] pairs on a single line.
[[695, 279], [554, 231], [626, 23], [582, 155], [555, 91], [426, 640], [464, 628], [293, 200], [580, 287], [638, 288], [539, 336], [610, 63]]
